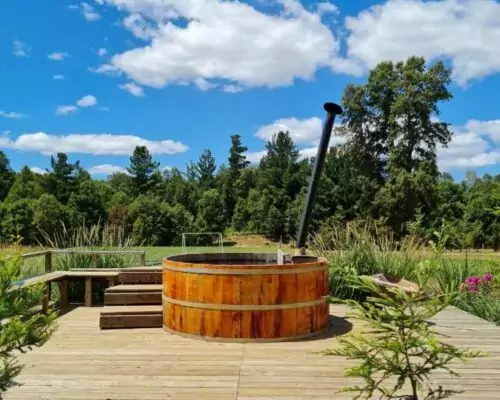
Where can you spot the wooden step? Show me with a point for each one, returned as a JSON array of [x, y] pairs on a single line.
[[135, 288], [138, 277], [128, 317], [133, 295]]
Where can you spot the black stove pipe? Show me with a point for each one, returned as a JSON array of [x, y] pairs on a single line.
[[332, 110]]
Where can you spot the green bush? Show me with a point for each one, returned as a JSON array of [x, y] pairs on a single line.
[[397, 350], [20, 328]]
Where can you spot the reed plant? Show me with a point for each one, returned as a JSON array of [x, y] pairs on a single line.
[[97, 237]]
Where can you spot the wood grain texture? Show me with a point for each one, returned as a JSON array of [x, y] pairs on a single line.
[[82, 362], [237, 301]]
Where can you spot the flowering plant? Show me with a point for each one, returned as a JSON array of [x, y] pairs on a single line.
[[474, 284]]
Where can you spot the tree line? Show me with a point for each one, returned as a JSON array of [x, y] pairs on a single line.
[[385, 171]]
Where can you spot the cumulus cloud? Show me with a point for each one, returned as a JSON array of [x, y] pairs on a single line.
[[98, 144], [87, 101], [465, 32], [302, 131], [106, 169], [64, 110], [84, 102], [133, 89], [20, 49], [58, 77], [12, 115], [102, 52], [222, 40], [57, 56], [255, 156], [38, 170]]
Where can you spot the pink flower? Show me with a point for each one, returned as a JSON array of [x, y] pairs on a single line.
[[488, 277]]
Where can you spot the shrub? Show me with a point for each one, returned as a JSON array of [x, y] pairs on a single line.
[[398, 350], [20, 329]]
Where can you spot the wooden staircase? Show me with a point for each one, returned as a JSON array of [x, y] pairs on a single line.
[[135, 302]]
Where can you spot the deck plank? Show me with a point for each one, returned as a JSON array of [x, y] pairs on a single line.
[[83, 362]]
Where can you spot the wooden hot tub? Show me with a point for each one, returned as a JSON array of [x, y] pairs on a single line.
[[245, 297]]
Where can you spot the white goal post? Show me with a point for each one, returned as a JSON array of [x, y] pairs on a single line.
[[220, 243]]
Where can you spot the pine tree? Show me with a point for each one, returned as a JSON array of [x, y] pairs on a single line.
[[143, 170]]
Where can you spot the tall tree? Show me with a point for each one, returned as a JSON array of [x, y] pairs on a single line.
[[205, 169], [62, 180], [143, 169], [393, 134], [237, 163], [6, 176], [27, 185]]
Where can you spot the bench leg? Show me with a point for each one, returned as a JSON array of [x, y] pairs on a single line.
[[111, 282], [88, 292], [63, 293]]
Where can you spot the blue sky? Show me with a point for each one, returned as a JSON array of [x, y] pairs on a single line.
[[95, 78]]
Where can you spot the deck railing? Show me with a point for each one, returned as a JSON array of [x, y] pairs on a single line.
[[96, 254]]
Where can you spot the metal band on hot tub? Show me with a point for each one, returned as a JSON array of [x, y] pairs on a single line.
[[242, 307]]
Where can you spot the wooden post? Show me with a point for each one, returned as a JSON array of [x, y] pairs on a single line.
[[95, 259], [63, 293], [88, 291], [143, 259], [48, 262], [46, 298]]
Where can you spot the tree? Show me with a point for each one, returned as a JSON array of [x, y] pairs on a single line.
[[87, 204], [392, 135], [27, 185], [49, 215], [237, 163], [6, 176], [144, 171], [209, 216], [62, 180], [205, 169], [18, 221], [20, 329]]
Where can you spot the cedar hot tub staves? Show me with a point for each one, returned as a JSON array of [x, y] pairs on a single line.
[[244, 297]]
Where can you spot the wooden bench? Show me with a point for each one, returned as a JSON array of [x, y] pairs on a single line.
[[62, 278]]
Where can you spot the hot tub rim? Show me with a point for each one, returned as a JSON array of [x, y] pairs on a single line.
[[167, 261]]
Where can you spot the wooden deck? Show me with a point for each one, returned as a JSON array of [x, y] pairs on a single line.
[[82, 362]]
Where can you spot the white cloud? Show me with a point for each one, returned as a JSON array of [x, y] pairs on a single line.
[[20, 49], [64, 110], [102, 52], [255, 156], [232, 88], [89, 12], [38, 170], [98, 144], [302, 131], [132, 88], [466, 32], [224, 40], [473, 145], [104, 108], [488, 128], [58, 77], [12, 115], [106, 69], [99, 2], [326, 7], [57, 56], [105, 169], [87, 101]]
